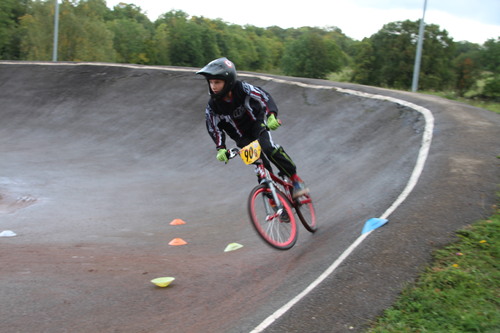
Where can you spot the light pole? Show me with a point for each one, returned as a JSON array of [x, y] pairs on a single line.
[[418, 56], [56, 32]]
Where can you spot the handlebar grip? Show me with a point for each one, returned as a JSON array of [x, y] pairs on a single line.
[[232, 153]]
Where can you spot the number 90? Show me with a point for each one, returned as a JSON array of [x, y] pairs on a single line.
[[249, 154]]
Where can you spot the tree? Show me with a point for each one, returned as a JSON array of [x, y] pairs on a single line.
[[37, 31], [490, 55], [130, 41], [185, 44], [161, 52], [182, 38], [240, 47], [394, 48], [364, 62], [467, 66], [83, 34], [437, 71], [131, 12], [210, 49], [96, 9], [311, 56], [466, 75], [10, 34], [491, 59], [492, 87]]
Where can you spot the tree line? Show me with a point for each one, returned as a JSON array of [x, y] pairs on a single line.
[[90, 31]]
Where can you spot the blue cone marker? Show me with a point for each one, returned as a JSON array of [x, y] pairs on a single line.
[[372, 224]]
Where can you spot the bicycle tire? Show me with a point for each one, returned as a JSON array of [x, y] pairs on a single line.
[[306, 213], [273, 229]]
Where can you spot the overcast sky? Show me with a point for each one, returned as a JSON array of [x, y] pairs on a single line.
[[471, 20]]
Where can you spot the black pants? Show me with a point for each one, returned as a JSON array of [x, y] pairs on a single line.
[[274, 152]]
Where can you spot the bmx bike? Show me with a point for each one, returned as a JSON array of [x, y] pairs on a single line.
[[271, 203]]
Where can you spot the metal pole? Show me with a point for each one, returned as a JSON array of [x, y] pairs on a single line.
[[56, 31], [418, 56]]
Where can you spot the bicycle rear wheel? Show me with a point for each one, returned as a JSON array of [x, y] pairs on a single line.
[[306, 213], [277, 227]]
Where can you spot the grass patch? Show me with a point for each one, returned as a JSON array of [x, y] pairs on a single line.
[[344, 75], [491, 106], [460, 292], [483, 104]]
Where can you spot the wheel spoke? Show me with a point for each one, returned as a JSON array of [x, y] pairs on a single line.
[[267, 219]]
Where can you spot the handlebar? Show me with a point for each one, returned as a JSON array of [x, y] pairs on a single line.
[[249, 154], [232, 153]]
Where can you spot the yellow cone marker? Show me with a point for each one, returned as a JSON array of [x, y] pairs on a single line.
[[163, 281], [232, 247], [177, 242]]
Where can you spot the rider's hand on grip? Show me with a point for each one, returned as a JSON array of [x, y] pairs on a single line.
[[222, 155], [273, 123]]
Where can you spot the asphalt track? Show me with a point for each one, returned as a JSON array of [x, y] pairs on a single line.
[[96, 160]]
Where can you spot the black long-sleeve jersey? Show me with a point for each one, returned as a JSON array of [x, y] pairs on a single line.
[[249, 104]]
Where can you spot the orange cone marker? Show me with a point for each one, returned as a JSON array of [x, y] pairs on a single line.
[[177, 242], [177, 222]]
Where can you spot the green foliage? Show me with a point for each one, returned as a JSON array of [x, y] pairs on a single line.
[[311, 55], [479, 103], [459, 293], [37, 32], [130, 40], [130, 12], [90, 31], [6, 21], [492, 87], [160, 41], [491, 55], [83, 34], [10, 11], [388, 58], [133, 34], [364, 59], [467, 74], [437, 70], [491, 59], [185, 42]]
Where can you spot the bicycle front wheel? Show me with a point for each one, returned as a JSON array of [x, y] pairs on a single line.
[[306, 213], [277, 227]]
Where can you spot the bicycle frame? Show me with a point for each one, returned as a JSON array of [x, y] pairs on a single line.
[[279, 229], [272, 181]]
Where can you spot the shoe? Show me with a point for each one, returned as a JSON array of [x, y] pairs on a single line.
[[299, 189]]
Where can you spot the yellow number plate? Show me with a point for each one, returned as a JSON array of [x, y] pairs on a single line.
[[250, 153]]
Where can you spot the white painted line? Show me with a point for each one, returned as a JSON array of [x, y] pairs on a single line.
[[278, 313], [417, 170], [424, 146], [50, 63]]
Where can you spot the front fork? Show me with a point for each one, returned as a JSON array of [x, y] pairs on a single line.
[[265, 179]]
